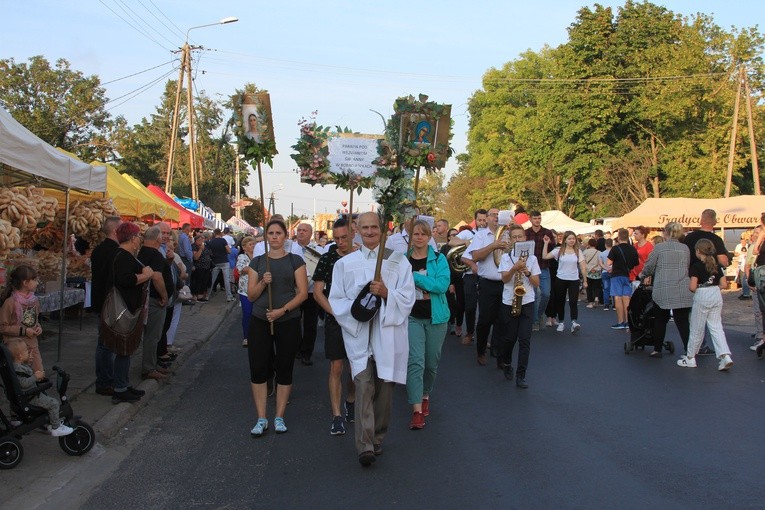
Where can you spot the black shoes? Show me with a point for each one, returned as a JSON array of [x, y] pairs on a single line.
[[135, 391], [106, 391], [124, 396], [508, 372], [521, 383], [367, 458], [744, 298]]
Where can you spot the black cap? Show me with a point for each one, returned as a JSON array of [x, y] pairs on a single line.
[[366, 305]]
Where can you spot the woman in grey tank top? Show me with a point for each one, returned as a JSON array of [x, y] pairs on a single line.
[[285, 274]]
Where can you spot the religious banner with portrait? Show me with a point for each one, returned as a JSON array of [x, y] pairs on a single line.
[[256, 135]]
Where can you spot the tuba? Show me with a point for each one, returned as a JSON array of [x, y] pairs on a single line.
[[454, 258]]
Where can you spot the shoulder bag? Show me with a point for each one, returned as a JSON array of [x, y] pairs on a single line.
[[120, 329]]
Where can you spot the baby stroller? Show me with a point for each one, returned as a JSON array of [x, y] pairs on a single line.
[[640, 316], [28, 417]]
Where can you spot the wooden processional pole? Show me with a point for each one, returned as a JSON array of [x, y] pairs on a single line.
[[265, 243]]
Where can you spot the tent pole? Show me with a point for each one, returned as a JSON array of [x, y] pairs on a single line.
[[63, 277]]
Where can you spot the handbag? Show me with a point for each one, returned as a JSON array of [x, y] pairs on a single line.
[[185, 294], [120, 329]]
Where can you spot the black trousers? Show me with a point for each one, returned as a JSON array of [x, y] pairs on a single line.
[[162, 344], [470, 298], [563, 287], [310, 320], [660, 319], [594, 290], [489, 302], [517, 329]]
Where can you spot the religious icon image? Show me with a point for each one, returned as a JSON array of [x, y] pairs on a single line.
[[256, 117], [422, 133]]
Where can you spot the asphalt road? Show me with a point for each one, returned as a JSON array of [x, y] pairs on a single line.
[[596, 429]]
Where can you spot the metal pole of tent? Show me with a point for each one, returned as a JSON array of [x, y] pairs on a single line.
[[63, 277]]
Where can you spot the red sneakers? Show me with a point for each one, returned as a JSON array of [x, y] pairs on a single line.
[[425, 407], [418, 421]]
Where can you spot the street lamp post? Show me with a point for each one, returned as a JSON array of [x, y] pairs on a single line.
[[185, 68]]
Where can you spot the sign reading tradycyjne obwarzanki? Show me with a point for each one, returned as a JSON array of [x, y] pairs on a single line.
[[353, 154]]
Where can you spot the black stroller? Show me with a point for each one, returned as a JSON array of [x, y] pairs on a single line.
[[640, 316], [28, 417]]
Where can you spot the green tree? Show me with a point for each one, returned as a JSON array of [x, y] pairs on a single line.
[[60, 105]]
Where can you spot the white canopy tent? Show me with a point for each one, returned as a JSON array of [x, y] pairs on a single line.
[[21, 150], [558, 221]]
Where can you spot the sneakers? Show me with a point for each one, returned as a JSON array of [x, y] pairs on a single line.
[[259, 427], [279, 425], [590, 305], [418, 421], [754, 346], [337, 428], [535, 326], [244, 343], [61, 430], [349, 411], [620, 325], [706, 351], [606, 308], [561, 327], [725, 363], [426, 407], [575, 327], [686, 362]]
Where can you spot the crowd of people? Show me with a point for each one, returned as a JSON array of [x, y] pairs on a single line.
[[387, 309]]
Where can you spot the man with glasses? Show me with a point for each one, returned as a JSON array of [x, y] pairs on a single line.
[[490, 285]]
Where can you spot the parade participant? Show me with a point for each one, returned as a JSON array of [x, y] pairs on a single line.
[[517, 326], [440, 233], [20, 311], [707, 278], [28, 379], [129, 278], [220, 249], [666, 265], [101, 262], [455, 296], [623, 258], [571, 264], [242, 262], [161, 284], [377, 349], [427, 322], [309, 310], [481, 252], [470, 277], [267, 351], [536, 232], [334, 349]]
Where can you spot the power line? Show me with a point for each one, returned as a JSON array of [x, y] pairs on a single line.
[[136, 92], [140, 20], [155, 16], [134, 27], [139, 72], [168, 19]]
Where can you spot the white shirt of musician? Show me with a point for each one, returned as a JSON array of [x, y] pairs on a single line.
[[508, 291], [486, 267]]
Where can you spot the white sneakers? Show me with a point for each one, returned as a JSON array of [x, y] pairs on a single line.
[[61, 430], [756, 344], [686, 362], [575, 327], [561, 327], [725, 363]]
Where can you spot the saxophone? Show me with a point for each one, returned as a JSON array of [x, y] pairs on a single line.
[[519, 290]]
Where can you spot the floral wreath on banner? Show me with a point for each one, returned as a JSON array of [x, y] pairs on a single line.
[[252, 151], [396, 165], [312, 157]]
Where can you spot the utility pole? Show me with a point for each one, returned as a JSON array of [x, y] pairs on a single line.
[[271, 206], [743, 81], [734, 133], [752, 144]]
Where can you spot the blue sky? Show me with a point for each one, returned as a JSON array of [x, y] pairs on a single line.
[[341, 58]]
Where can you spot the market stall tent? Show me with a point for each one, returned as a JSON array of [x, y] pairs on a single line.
[[21, 150], [186, 216], [558, 221], [735, 212]]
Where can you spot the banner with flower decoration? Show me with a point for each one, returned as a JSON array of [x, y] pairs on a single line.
[[416, 136]]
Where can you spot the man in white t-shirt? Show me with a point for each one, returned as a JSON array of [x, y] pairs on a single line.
[[228, 237]]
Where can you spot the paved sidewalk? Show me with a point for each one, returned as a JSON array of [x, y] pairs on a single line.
[[198, 323]]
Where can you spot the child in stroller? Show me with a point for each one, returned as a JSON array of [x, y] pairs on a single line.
[[28, 380], [640, 316], [27, 416]]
